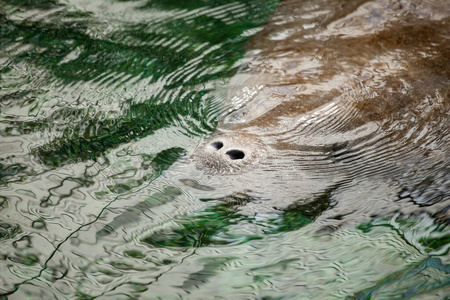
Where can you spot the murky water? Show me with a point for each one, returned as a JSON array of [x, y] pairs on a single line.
[[341, 111]]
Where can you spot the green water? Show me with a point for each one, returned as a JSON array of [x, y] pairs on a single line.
[[101, 102]]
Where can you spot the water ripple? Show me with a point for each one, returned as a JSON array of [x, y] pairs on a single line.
[[101, 104]]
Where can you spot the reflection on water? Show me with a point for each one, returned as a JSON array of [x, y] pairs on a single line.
[[102, 104]]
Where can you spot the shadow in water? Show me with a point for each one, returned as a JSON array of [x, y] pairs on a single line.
[[214, 225]]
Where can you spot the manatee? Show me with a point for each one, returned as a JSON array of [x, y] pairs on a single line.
[[353, 104], [340, 116]]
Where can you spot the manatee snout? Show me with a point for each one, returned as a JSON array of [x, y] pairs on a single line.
[[229, 153]]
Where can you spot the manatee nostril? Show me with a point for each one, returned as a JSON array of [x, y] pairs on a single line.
[[217, 145], [235, 154]]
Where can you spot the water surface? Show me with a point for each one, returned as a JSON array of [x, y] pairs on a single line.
[[102, 104]]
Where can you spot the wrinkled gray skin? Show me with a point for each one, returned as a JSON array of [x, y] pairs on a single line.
[[352, 102]]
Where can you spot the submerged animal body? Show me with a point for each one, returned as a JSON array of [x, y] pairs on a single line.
[[352, 105], [340, 116]]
